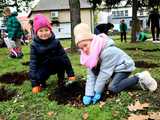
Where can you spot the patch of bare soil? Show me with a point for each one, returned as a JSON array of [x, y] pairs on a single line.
[[151, 50], [143, 64], [145, 50], [17, 78], [133, 49], [6, 94]]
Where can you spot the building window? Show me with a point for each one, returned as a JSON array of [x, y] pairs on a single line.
[[118, 13], [141, 12], [121, 13], [54, 14], [126, 12], [114, 13]]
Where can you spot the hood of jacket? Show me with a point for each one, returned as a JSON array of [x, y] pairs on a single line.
[[108, 41]]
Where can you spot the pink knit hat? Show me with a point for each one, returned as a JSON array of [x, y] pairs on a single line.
[[40, 21]]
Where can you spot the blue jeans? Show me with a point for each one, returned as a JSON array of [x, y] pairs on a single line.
[[121, 81]]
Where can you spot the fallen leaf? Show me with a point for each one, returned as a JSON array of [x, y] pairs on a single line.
[[137, 106], [115, 113], [138, 117], [85, 116], [79, 97], [101, 104], [130, 94], [154, 115], [50, 114], [118, 100]]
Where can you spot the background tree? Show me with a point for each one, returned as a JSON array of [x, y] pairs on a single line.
[[75, 19]]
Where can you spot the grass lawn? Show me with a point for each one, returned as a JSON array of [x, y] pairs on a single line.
[[27, 106]]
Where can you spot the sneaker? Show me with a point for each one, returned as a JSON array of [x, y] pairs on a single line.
[[36, 89], [12, 56], [146, 81], [87, 100], [19, 55]]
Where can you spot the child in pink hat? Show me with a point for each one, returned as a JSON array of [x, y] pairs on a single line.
[[47, 56]]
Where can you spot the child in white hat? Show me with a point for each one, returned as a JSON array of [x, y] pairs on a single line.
[[104, 61]]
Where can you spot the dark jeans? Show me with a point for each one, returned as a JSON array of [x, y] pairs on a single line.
[[121, 81], [44, 72], [153, 32], [123, 36]]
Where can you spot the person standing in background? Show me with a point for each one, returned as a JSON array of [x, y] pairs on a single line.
[[153, 22], [123, 30], [14, 33]]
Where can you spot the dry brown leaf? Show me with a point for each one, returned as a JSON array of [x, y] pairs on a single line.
[[115, 113], [130, 94], [79, 97], [137, 106], [101, 104], [85, 116], [138, 117], [50, 114], [154, 115]]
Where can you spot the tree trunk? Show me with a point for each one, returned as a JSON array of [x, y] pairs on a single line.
[[75, 19], [134, 19]]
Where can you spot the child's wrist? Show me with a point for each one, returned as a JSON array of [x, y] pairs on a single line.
[[72, 78]]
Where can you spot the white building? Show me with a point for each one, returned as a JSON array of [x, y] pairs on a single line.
[[115, 15]]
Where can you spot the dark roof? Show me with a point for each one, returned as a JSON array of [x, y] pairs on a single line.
[[58, 5]]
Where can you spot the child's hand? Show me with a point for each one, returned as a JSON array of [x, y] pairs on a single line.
[[72, 78], [96, 98], [87, 100]]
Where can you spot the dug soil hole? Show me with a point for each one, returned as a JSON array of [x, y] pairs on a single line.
[[143, 64], [16, 78], [6, 94]]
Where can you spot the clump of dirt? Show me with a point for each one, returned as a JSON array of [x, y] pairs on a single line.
[[17, 78], [6, 94], [143, 64], [25, 63]]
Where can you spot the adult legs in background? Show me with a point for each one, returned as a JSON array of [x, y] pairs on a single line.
[[121, 36], [125, 38], [157, 33], [153, 32]]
